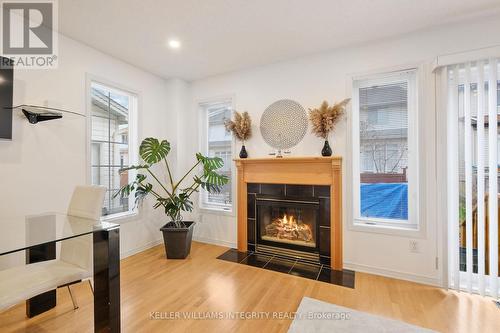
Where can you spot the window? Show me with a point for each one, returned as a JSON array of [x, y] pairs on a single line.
[[112, 130], [385, 150], [217, 142]]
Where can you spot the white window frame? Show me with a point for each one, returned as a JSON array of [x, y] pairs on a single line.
[[215, 208], [133, 139], [377, 224]]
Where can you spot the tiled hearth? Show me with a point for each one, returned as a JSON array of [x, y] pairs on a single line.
[[295, 267]]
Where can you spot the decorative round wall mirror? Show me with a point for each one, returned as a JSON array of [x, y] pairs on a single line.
[[283, 124]]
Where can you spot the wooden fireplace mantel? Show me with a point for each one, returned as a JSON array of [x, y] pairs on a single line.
[[298, 171]]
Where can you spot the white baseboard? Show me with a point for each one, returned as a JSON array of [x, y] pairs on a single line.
[[214, 241], [136, 250], [393, 274]]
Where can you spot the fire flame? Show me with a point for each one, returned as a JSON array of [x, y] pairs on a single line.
[[284, 219], [288, 227], [290, 224]]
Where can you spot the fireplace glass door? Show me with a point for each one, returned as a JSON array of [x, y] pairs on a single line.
[[288, 223]]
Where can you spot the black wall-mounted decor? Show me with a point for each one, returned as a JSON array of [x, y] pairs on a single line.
[[6, 96], [36, 114]]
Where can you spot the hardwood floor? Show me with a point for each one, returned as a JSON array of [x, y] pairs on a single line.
[[205, 284]]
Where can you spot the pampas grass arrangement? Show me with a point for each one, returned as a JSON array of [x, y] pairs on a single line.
[[324, 119], [241, 127]]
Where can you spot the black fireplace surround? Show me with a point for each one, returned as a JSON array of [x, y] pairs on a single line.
[[289, 221]]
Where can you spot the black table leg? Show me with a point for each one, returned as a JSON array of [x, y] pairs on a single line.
[[107, 280], [47, 300]]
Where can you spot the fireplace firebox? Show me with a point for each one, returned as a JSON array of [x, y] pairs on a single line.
[[289, 223]]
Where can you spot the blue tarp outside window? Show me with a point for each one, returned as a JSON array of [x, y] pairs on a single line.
[[385, 200]]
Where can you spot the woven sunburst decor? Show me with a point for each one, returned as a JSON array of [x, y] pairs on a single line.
[[283, 124]]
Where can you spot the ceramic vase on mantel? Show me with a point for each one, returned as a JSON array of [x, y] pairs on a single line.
[[243, 151], [327, 150]]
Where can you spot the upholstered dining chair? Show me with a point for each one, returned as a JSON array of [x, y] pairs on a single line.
[[86, 202], [75, 259]]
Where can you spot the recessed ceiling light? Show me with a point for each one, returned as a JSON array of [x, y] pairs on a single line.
[[174, 44]]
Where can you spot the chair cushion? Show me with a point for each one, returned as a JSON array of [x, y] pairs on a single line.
[[23, 282]]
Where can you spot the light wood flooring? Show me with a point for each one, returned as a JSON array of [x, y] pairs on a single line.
[[203, 283]]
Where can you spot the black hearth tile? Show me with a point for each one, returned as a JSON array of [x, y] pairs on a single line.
[[324, 212], [251, 247], [325, 260], [253, 188], [341, 278], [279, 265], [233, 255], [321, 191], [256, 260], [251, 230], [324, 241], [251, 205], [305, 270], [273, 189], [299, 191]]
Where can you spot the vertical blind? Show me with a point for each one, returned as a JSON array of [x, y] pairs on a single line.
[[472, 141]]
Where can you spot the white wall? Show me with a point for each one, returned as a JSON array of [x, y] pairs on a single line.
[[42, 164], [312, 79]]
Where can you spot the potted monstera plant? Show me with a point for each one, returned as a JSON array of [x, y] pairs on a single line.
[[173, 197]]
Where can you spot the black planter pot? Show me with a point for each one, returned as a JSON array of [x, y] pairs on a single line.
[[327, 150], [243, 152], [177, 240]]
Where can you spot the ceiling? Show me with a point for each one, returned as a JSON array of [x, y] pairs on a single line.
[[220, 36]]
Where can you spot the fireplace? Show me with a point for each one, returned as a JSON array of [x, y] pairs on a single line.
[[291, 207], [290, 223]]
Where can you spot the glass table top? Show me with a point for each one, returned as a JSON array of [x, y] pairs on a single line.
[[20, 233]]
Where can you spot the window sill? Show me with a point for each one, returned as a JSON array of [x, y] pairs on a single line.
[[121, 218], [412, 230], [216, 211]]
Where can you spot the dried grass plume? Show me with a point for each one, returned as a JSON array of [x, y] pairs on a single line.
[[241, 126], [325, 117]]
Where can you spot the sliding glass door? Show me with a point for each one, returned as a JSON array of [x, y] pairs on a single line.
[[473, 150]]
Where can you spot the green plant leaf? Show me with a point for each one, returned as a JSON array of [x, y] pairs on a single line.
[[128, 188], [210, 163], [174, 205], [211, 181], [153, 151], [125, 190], [142, 191], [214, 178], [184, 203]]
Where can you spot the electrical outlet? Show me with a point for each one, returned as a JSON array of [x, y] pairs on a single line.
[[414, 248]]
